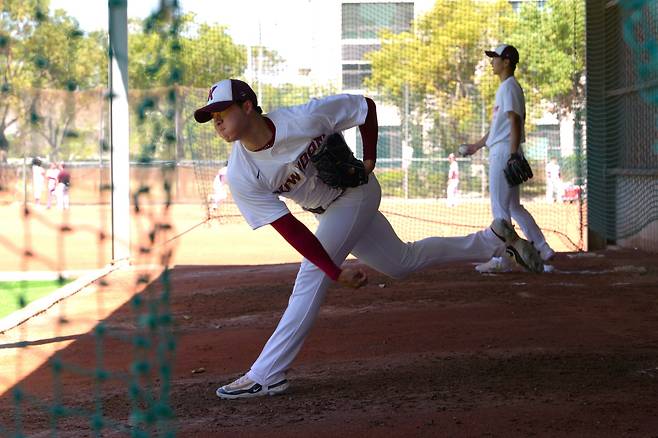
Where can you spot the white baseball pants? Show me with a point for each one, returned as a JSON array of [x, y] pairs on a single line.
[[354, 224], [451, 192], [506, 200]]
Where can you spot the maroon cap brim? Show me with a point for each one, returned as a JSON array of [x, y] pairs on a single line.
[[204, 114], [491, 54]]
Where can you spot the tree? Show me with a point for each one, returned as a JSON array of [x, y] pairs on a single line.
[[431, 71], [19, 19], [40, 49], [168, 58], [203, 53], [69, 62], [441, 67], [551, 41]]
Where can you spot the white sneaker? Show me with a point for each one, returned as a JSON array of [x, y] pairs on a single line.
[[505, 263], [244, 387]]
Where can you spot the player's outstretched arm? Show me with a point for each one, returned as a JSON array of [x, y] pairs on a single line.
[[467, 149], [308, 245]]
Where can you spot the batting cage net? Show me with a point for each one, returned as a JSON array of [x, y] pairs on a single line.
[[422, 62], [622, 121]]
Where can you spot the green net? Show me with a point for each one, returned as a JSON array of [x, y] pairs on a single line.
[[637, 190], [57, 198], [621, 121]]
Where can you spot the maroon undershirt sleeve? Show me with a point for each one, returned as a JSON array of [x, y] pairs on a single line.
[[301, 238], [369, 131]]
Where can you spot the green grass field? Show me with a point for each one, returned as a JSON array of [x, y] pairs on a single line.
[[12, 291]]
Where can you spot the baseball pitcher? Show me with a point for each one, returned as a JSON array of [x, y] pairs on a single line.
[[298, 153]]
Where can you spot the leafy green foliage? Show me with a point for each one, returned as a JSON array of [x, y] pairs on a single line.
[[438, 71]]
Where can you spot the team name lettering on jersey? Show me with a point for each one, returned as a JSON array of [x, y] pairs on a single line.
[[302, 163], [290, 182]]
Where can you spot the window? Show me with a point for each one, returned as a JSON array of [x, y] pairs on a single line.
[[364, 20], [389, 145], [356, 52], [518, 4], [354, 74]]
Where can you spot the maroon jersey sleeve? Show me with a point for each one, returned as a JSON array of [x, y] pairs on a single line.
[[301, 238], [369, 132]]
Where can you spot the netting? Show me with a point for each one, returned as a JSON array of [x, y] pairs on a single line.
[[621, 120], [637, 190], [57, 203]]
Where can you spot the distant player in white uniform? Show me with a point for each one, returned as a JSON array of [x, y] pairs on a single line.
[[453, 180], [63, 187], [52, 177], [553, 182], [38, 178], [269, 160], [219, 189], [505, 136]]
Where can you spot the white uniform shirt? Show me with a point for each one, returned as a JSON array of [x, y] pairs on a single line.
[[52, 174], [38, 174], [257, 179], [453, 172], [509, 97], [552, 171], [219, 183]]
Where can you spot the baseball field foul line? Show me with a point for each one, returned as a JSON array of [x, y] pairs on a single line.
[[42, 304]]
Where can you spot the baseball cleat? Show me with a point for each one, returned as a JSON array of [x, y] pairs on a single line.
[[524, 253], [244, 387]]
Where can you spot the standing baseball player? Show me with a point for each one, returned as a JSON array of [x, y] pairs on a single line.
[[272, 157], [63, 187], [38, 175], [52, 176], [219, 191], [504, 139], [453, 181], [553, 182]]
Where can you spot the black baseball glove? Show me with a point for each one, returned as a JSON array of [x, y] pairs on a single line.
[[517, 170], [337, 167]]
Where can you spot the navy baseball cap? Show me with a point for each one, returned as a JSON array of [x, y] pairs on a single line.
[[222, 95], [504, 51]]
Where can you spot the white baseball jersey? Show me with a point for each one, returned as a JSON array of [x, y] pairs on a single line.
[[552, 171], [52, 175], [453, 172], [38, 175], [257, 179], [509, 97], [219, 184]]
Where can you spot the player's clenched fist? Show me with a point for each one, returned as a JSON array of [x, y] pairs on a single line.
[[354, 278]]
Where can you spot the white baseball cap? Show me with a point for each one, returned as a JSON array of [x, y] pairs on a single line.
[[222, 95], [504, 51]]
